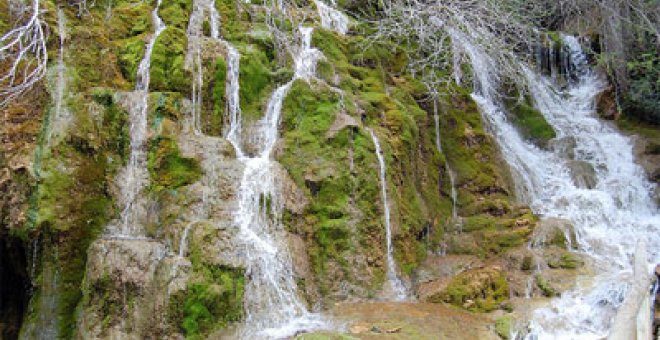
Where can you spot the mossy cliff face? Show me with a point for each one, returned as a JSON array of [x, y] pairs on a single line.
[[60, 194]]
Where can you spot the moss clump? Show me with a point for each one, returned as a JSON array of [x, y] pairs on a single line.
[[175, 13], [479, 290], [214, 297], [167, 62], [216, 302], [130, 53], [544, 286], [503, 327], [532, 124], [255, 83], [214, 119], [168, 169], [565, 261]]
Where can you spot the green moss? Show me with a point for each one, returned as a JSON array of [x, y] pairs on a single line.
[[503, 326], [130, 53], [130, 19], [566, 260], [214, 297], [168, 169], [72, 204], [215, 118], [234, 26], [175, 13], [255, 83], [481, 290], [544, 286], [167, 62], [531, 123]]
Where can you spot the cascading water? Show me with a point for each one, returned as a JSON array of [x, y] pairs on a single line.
[[395, 288], [332, 18], [272, 304], [135, 175], [233, 99], [609, 218]]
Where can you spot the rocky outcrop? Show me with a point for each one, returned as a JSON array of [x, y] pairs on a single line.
[[127, 286]]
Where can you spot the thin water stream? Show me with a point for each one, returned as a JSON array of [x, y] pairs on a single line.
[[135, 177], [394, 287]]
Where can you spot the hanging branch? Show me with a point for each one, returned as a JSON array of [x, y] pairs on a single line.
[[23, 55], [426, 31]]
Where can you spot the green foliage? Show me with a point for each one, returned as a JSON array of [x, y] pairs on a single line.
[[642, 101], [168, 169]]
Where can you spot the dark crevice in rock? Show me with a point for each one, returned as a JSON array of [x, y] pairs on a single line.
[[14, 285]]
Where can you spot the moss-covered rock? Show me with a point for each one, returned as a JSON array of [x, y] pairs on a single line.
[[167, 62], [531, 123], [169, 170], [479, 290], [255, 82]]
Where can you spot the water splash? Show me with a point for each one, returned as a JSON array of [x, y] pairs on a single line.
[[609, 219], [135, 175], [395, 289], [273, 306]]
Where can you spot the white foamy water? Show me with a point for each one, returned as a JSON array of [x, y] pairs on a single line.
[[331, 18], [609, 218], [135, 176], [394, 286], [273, 306]]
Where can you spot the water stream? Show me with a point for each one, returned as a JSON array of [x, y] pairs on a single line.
[[332, 18], [273, 306], [448, 169], [394, 288], [609, 218], [135, 175]]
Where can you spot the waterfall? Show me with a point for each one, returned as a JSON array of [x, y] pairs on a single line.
[[331, 18], [135, 176], [450, 172], [609, 218], [273, 306], [233, 107], [397, 290]]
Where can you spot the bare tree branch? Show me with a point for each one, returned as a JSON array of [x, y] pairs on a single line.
[[23, 55]]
